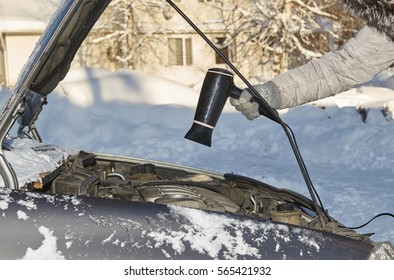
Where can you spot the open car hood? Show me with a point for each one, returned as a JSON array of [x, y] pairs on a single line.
[[61, 40], [46, 67]]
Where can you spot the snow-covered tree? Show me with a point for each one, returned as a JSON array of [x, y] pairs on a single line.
[[285, 33], [281, 30], [121, 35]]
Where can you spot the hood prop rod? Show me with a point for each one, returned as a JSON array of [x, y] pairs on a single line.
[[271, 114]]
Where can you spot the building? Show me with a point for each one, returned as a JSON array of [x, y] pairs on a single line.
[[21, 24], [152, 37], [184, 56], [157, 40]]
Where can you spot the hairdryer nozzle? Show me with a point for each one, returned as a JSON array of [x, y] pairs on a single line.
[[200, 133]]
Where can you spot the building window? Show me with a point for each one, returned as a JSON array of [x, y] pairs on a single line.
[[223, 49], [180, 51]]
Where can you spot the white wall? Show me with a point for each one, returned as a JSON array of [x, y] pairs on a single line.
[[18, 50]]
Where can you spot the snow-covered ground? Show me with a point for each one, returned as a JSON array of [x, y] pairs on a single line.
[[350, 161]]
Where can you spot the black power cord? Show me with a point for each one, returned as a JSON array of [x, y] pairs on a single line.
[[375, 217], [266, 110]]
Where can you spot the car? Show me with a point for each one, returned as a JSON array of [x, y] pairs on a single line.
[[89, 205]]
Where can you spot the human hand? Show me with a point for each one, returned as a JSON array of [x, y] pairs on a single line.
[[250, 108]]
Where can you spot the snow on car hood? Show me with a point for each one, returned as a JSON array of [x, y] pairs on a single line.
[[216, 232]]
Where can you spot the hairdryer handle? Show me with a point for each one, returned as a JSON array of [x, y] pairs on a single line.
[[264, 108], [235, 92]]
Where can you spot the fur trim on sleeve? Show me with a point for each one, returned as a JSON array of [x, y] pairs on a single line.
[[378, 13]]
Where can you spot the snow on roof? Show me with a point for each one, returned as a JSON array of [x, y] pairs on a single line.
[[26, 16]]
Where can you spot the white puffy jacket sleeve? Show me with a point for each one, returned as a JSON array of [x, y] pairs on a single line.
[[358, 61]]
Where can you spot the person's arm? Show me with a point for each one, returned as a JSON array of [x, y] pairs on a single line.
[[358, 61]]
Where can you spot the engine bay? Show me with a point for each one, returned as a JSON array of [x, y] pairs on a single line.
[[88, 174], [52, 170]]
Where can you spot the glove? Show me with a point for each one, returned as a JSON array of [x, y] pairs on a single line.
[[249, 108]]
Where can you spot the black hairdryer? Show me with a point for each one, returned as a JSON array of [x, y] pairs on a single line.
[[218, 85]]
